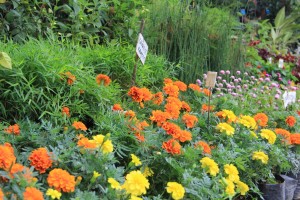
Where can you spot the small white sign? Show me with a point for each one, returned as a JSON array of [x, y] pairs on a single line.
[[270, 60], [289, 98], [280, 63], [141, 48]]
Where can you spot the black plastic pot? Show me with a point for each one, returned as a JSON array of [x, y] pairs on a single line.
[[290, 186], [273, 191]]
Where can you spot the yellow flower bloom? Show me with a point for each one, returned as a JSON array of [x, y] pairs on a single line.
[[135, 160], [229, 188], [107, 147], [135, 198], [147, 172], [259, 155], [136, 183], [242, 187], [114, 184], [232, 172], [231, 117], [225, 128], [269, 135], [253, 134], [248, 121], [98, 139], [210, 165], [96, 174], [176, 189], [54, 194]]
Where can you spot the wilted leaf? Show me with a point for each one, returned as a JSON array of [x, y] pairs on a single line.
[[5, 60]]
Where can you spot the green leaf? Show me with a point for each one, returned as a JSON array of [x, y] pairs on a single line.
[[2, 1], [5, 60], [280, 17]]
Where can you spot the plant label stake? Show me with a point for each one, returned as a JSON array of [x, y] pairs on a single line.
[[210, 83], [141, 51], [280, 63]]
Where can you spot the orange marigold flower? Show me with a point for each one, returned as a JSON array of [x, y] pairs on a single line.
[[7, 157], [206, 148], [173, 109], [40, 159], [171, 90], [130, 114], [16, 168], [295, 138], [79, 126], [174, 100], [290, 121], [61, 180], [102, 78], [167, 81], [13, 129], [206, 108], [86, 143], [189, 120], [181, 85], [136, 94], [24, 172], [185, 106], [32, 193], [172, 129], [172, 146], [140, 137], [66, 111], [1, 194], [185, 136], [285, 134], [206, 91], [117, 107], [158, 98], [147, 95], [195, 87], [70, 78], [159, 117], [261, 119]]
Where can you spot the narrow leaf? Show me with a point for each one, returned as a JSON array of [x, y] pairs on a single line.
[[280, 17]]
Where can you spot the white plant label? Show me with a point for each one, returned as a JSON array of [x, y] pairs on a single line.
[[211, 79], [280, 63], [270, 60], [141, 48], [289, 98]]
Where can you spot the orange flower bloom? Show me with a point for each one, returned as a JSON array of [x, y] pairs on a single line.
[[181, 85], [130, 114], [172, 146], [295, 138], [103, 78], [195, 87], [140, 137], [158, 98], [206, 148], [1, 194], [159, 117], [185, 106], [86, 143], [185, 136], [61, 180], [261, 119], [32, 193], [206, 108], [207, 92], [167, 81], [7, 157], [24, 172], [285, 134], [13, 129], [189, 120], [174, 100], [171, 90], [70, 78], [16, 168], [66, 111], [290, 121], [140, 94], [173, 109], [40, 159], [79, 126], [117, 107], [172, 129]]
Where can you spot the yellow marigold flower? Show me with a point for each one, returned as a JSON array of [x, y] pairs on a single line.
[[106, 145], [253, 134], [95, 176], [210, 165], [176, 189], [136, 183], [54, 194], [135, 198], [242, 187], [229, 188], [259, 155], [232, 172], [269, 135], [248, 121], [225, 128], [231, 117], [114, 184], [147, 172], [135, 160]]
